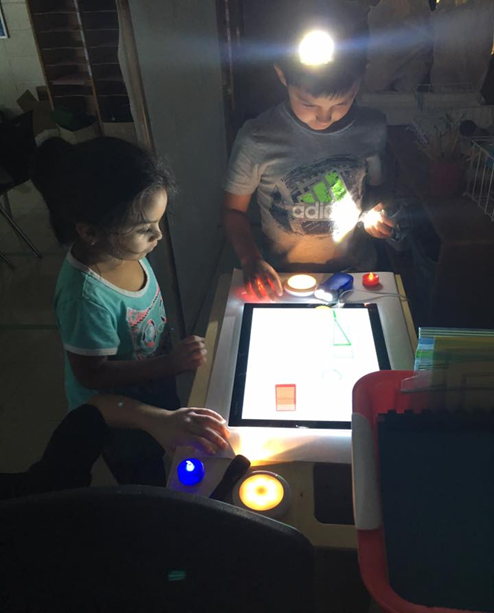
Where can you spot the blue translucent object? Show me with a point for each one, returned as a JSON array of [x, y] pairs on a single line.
[[190, 471], [340, 281], [331, 290]]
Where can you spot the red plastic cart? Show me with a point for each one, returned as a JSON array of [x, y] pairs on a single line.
[[375, 394]]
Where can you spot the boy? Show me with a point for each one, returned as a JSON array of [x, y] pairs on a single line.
[[308, 160]]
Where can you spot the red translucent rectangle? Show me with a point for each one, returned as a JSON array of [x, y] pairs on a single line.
[[286, 397]]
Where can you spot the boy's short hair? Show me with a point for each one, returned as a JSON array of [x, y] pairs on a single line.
[[346, 22]]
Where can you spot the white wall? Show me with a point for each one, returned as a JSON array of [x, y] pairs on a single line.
[[177, 44], [20, 68]]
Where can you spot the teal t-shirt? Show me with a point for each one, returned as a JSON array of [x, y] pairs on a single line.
[[96, 318]]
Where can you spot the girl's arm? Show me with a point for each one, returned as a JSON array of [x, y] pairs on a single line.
[[200, 428], [98, 372]]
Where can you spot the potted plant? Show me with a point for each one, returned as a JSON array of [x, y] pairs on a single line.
[[438, 137]]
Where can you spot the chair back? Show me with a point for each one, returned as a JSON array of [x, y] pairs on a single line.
[[17, 146], [138, 548]]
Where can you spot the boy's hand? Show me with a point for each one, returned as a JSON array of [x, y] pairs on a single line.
[[261, 279], [202, 429], [377, 224], [189, 354]]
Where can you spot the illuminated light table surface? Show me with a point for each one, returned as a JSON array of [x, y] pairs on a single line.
[[290, 452]]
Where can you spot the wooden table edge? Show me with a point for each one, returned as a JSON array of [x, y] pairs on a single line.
[[198, 393]]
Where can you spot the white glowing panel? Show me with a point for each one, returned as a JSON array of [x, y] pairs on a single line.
[[303, 363]]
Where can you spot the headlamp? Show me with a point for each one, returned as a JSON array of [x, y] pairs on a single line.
[[316, 48]]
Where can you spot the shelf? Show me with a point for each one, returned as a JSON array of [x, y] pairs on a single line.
[[76, 62], [57, 12], [78, 43], [60, 47], [103, 56], [107, 45], [110, 78], [72, 80], [72, 96], [60, 29]]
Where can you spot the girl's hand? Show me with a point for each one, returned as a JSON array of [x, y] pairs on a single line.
[[261, 279], [189, 354], [377, 224], [202, 429]]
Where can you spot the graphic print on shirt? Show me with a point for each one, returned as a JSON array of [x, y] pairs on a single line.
[[320, 198], [146, 327]]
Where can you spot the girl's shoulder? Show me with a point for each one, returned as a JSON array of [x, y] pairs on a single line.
[[76, 291], [78, 283], [71, 279]]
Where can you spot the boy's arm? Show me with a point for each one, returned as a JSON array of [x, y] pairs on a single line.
[[98, 372], [378, 196], [237, 227], [379, 188], [259, 276]]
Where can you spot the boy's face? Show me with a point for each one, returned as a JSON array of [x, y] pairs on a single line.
[[318, 112]]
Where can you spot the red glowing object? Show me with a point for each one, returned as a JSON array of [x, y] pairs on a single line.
[[371, 279]]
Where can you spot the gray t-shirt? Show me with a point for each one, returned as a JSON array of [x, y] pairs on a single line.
[[310, 185]]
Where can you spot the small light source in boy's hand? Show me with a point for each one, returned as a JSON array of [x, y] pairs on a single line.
[[316, 48]]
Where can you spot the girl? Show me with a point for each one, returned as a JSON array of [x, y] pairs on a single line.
[[106, 199]]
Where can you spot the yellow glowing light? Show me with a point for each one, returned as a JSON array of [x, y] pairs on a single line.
[[316, 48], [261, 492], [323, 311], [261, 450], [372, 217], [301, 282], [344, 215]]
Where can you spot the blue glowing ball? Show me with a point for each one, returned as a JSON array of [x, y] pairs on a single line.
[[190, 471]]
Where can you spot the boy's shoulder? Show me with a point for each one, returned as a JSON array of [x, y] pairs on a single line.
[[366, 117], [264, 125], [277, 119], [368, 127]]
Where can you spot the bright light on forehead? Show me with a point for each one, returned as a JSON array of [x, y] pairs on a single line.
[[316, 48]]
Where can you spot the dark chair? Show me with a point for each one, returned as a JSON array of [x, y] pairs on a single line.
[[138, 548], [17, 146]]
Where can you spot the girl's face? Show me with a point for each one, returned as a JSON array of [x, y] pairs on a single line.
[[138, 240]]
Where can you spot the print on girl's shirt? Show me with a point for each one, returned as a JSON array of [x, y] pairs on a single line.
[[146, 327]]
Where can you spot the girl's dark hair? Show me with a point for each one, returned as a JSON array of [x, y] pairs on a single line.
[[103, 182], [347, 24]]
